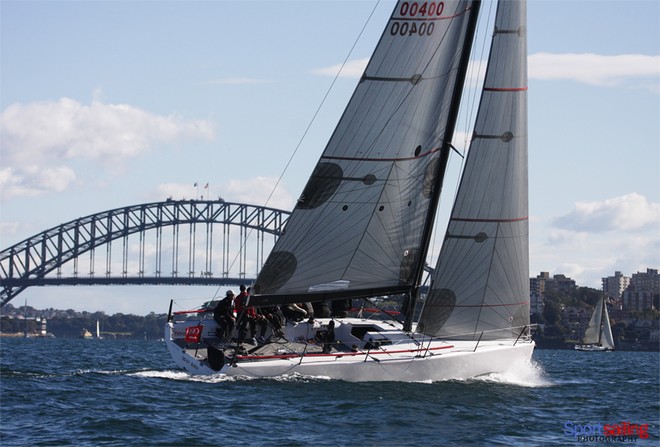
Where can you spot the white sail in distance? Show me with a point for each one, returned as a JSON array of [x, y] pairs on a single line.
[[607, 340], [599, 330]]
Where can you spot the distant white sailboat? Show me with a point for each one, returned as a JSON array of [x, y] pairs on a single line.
[[98, 330], [362, 226], [598, 335]]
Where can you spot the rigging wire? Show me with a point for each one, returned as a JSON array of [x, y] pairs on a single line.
[[309, 125], [318, 109]]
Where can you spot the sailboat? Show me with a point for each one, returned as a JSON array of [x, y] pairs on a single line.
[[98, 330], [598, 335], [362, 226]]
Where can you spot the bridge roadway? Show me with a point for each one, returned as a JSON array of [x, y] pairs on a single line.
[[39, 260]]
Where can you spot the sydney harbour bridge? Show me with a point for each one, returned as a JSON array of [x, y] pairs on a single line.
[[175, 242]]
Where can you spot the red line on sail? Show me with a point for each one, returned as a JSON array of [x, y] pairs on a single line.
[[462, 219]]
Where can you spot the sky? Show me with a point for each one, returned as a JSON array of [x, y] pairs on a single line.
[[106, 104]]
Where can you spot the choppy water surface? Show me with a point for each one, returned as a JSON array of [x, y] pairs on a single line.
[[128, 393]]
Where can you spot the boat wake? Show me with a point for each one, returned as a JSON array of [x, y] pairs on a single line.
[[219, 378], [525, 373], [181, 376]]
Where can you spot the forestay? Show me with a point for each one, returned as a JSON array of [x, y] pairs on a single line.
[[358, 228], [480, 287]]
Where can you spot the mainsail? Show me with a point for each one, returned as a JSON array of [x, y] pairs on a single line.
[[480, 287], [361, 226], [593, 331]]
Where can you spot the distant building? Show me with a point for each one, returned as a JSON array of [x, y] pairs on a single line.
[[537, 293], [642, 291], [543, 284], [575, 319], [648, 281], [633, 300], [560, 283], [614, 286]]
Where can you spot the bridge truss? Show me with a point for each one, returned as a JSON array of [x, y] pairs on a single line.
[[204, 235]]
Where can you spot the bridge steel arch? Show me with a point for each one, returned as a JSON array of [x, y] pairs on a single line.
[[29, 262]]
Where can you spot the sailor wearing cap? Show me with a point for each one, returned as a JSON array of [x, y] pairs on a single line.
[[224, 315]]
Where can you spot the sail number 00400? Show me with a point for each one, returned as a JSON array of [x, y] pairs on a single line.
[[419, 9], [423, 10]]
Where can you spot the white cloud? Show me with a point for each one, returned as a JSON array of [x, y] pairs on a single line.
[[596, 69], [631, 212], [598, 238], [588, 257], [257, 191], [42, 141], [351, 69], [33, 180]]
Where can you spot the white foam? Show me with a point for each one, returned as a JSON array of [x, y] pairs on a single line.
[[525, 373], [217, 378], [295, 377], [181, 375]]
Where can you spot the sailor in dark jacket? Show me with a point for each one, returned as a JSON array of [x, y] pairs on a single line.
[[223, 314]]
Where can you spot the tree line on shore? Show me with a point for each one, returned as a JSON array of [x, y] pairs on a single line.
[[71, 324]]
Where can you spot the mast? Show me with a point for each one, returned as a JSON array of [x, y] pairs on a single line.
[[607, 328], [600, 328], [442, 165]]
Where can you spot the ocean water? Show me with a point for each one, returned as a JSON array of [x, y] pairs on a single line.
[[57, 392]]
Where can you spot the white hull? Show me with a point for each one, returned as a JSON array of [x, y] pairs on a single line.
[[592, 348], [405, 360]]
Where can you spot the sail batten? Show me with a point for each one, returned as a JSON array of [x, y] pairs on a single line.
[[382, 160]]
